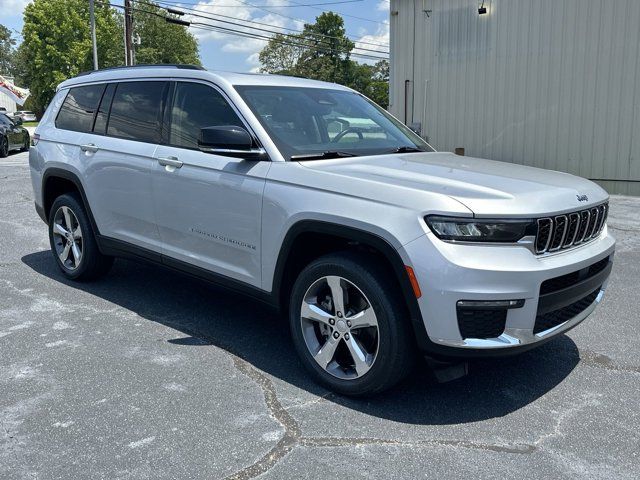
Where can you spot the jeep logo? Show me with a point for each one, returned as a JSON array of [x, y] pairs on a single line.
[[582, 198]]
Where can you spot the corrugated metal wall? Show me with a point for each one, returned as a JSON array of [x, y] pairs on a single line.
[[548, 83]]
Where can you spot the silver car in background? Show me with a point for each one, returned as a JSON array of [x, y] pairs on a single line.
[[311, 198], [25, 116]]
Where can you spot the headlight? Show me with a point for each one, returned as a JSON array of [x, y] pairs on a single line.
[[480, 230]]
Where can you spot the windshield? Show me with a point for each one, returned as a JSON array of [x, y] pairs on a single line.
[[306, 122]]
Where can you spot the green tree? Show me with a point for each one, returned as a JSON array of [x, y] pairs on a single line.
[[160, 41], [57, 44], [322, 52], [7, 51], [281, 54]]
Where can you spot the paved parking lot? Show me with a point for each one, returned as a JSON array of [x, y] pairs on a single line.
[[150, 374]]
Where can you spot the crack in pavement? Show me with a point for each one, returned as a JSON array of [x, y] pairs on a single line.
[[293, 437]]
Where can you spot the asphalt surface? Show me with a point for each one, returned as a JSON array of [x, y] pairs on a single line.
[[150, 374]]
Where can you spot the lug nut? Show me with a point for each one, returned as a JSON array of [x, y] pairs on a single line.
[[348, 324], [336, 334], [332, 321], [339, 314], [346, 336]]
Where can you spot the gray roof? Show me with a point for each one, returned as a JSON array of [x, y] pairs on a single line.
[[177, 72]]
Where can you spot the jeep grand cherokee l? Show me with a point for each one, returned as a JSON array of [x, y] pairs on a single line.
[[312, 198]]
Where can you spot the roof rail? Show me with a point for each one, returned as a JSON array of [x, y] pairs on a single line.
[[142, 65]]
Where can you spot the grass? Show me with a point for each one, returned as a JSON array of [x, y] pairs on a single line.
[[30, 124]]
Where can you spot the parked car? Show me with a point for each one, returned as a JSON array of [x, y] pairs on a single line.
[[12, 136], [26, 116], [373, 244]]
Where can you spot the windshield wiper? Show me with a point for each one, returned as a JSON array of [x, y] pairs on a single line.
[[322, 155], [406, 149]]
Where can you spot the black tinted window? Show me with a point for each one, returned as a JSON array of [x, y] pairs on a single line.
[[4, 120], [136, 111], [79, 107], [103, 111], [196, 106]]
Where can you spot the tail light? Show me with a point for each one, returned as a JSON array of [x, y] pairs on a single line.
[[35, 138]]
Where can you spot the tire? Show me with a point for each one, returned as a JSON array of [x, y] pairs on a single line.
[[366, 289], [4, 147], [74, 247], [27, 144]]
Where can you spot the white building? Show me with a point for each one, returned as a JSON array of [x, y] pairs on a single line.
[[548, 83], [7, 102]]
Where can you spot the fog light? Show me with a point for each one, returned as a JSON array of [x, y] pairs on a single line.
[[498, 304]]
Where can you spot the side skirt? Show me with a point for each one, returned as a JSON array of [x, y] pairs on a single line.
[[118, 248]]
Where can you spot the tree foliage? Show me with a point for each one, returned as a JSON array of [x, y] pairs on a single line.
[[57, 43], [322, 52], [7, 51]]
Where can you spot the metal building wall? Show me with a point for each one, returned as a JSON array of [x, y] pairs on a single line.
[[548, 83]]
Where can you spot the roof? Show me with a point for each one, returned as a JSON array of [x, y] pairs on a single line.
[[193, 72]]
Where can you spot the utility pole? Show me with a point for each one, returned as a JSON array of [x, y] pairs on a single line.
[[128, 33], [92, 19]]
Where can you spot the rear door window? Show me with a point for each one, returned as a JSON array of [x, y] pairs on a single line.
[[196, 106], [136, 111], [79, 108]]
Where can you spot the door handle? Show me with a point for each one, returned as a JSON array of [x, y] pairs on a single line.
[[169, 162], [89, 147]]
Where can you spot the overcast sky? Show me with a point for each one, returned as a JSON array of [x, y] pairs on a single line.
[[365, 20]]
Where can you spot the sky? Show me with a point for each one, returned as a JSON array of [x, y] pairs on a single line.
[[366, 22]]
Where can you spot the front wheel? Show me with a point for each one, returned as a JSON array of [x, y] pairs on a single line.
[[349, 325], [72, 241]]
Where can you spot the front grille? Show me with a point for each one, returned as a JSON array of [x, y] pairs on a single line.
[[564, 281], [481, 322], [566, 231], [552, 319]]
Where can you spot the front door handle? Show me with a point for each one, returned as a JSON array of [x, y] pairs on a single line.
[[169, 162], [89, 147]]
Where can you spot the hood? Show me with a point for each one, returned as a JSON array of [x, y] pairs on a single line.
[[486, 187]]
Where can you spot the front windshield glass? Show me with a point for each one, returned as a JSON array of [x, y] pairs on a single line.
[[311, 121]]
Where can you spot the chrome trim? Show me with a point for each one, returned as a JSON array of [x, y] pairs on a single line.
[[550, 220], [231, 151], [564, 232], [586, 229], [575, 234]]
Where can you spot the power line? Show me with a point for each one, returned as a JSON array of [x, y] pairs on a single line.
[[212, 17], [180, 5], [229, 31]]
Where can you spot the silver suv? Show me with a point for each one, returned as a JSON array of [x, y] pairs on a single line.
[[310, 197]]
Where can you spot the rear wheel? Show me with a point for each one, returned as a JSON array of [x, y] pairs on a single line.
[[4, 147], [27, 143], [348, 325], [72, 241]]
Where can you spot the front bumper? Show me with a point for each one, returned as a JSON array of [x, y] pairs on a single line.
[[448, 273]]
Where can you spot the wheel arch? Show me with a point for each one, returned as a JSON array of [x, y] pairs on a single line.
[[296, 252], [56, 182]]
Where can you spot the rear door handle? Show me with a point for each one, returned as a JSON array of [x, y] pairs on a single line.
[[169, 162], [89, 147]]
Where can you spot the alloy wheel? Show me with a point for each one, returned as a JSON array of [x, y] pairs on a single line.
[[67, 238], [339, 327]]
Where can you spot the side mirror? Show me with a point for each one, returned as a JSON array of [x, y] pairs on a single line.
[[230, 141], [17, 120]]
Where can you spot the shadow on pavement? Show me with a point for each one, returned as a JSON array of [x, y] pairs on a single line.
[[210, 315]]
